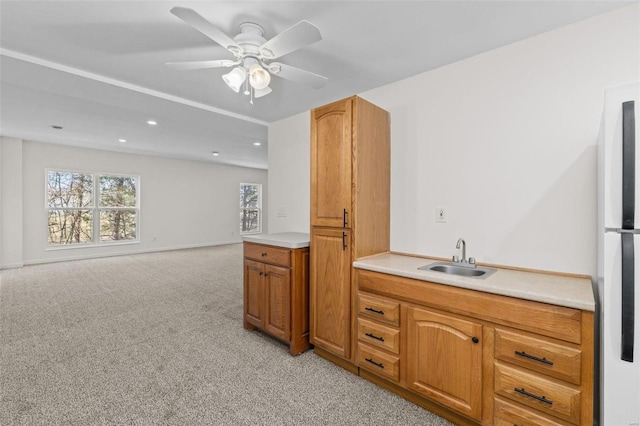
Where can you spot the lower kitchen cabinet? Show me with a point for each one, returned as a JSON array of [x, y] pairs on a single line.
[[330, 291], [473, 357], [379, 336], [268, 298], [444, 359], [276, 293]]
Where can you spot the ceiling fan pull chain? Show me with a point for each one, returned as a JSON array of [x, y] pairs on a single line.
[[246, 87]]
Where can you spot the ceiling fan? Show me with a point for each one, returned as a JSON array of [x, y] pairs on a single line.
[[253, 66]]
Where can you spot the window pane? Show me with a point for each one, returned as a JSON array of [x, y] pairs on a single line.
[[249, 220], [118, 225], [249, 196], [117, 191], [70, 227], [66, 189]]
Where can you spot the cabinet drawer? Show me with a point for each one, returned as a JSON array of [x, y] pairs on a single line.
[[546, 395], [560, 361], [268, 254], [378, 362], [379, 335], [506, 414], [380, 309]]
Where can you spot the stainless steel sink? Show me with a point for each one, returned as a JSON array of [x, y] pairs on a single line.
[[451, 269]]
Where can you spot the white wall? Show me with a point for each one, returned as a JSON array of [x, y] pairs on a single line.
[[11, 247], [289, 176], [506, 141], [182, 203], [1, 201]]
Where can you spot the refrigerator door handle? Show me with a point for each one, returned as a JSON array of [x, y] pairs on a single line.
[[628, 165], [628, 296]]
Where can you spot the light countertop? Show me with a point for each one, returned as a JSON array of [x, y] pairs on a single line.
[[291, 240], [568, 291]]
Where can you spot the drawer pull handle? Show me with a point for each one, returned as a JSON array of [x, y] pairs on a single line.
[[375, 311], [535, 358], [534, 396], [373, 336], [377, 364], [263, 254]]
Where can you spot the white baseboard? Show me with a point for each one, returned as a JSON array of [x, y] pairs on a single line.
[[123, 253], [11, 266]]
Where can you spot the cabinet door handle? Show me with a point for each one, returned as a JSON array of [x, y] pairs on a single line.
[[261, 273], [535, 358], [373, 336], [534, 396], [474, 339], [375, 311], [344, 218], [263, 254], [377, 364], [344, 241]]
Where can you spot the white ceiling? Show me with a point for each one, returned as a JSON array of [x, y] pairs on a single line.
[[97, 68]]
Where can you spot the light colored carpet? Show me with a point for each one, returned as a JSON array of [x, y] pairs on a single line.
[[158, 339]]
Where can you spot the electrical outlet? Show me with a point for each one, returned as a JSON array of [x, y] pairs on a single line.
[[441, 214]]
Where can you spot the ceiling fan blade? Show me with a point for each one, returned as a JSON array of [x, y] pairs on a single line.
[[196, 20], [299, 35], [199, 65], [298, 75]]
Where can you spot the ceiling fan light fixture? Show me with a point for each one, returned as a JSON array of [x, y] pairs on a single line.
[[235, 78], [259, 77], [258, 93], [252, 67]]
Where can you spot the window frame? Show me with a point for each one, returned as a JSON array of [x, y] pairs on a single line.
[[259, 209], [94, 210]]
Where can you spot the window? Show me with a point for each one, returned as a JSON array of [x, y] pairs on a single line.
[[91, 209], [250, 208]]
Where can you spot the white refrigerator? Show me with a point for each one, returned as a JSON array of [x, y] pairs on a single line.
[[619, 257]]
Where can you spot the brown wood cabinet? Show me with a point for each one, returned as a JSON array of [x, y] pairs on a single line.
[[350, 165], [276, 298], [444, 359], [474, 357], [379, 336], [331, 294]]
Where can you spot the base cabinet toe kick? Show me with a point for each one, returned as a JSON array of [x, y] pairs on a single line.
[[474, 357]]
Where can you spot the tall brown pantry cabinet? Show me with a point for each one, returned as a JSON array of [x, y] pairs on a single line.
[[350, 178]]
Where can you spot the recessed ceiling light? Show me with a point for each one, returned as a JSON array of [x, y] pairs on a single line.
[[152, 123], [55, 126], [215, 153], [122, 140], [257, 143]]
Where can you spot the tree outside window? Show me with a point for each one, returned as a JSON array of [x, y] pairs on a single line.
[[90, 209], [250, 208], [118, 213]]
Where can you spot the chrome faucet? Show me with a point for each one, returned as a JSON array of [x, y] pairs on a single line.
[[470, 263], [464, 250]]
